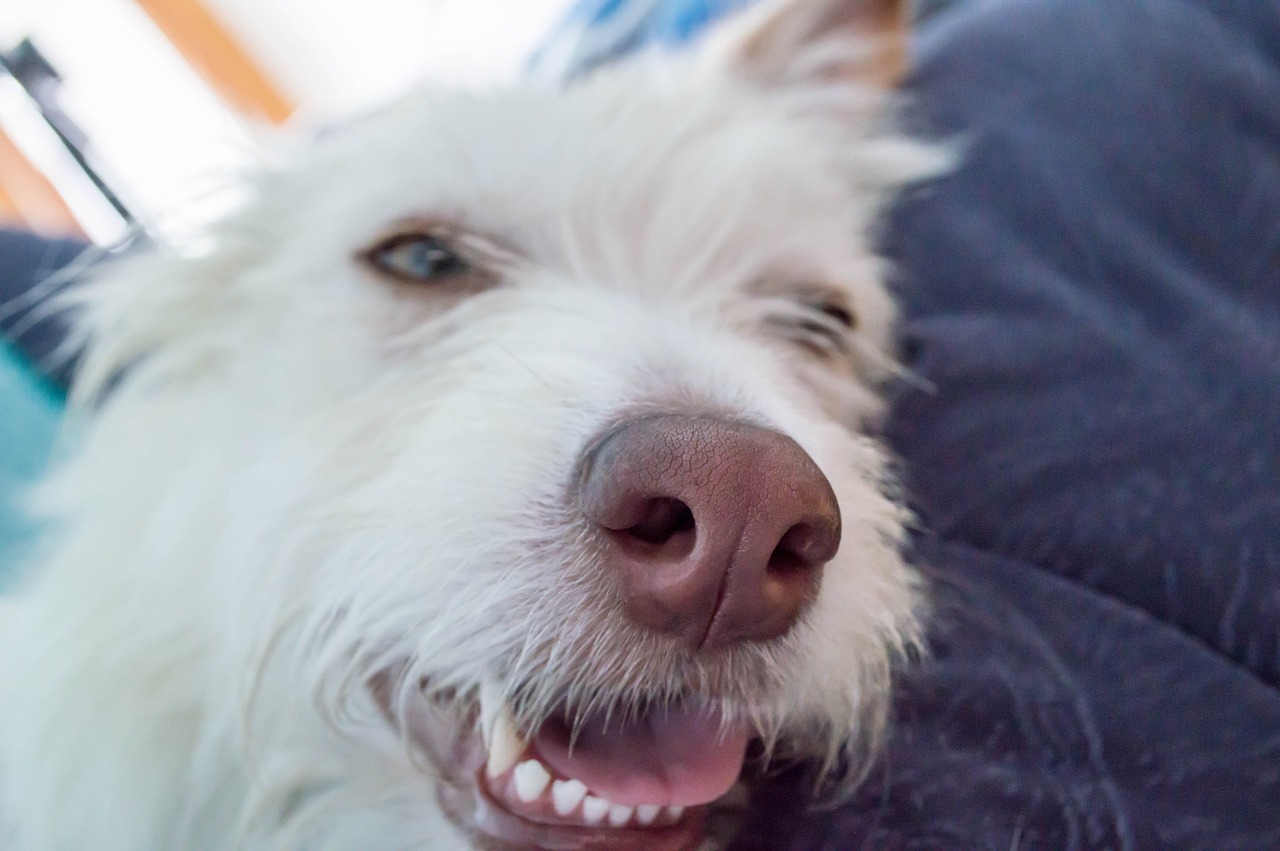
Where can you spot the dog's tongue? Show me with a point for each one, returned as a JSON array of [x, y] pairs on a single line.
[[682, 757]]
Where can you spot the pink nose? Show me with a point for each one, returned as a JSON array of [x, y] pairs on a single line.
[[717, 530]]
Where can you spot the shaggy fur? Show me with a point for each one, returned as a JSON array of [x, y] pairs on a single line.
[[306, 501]]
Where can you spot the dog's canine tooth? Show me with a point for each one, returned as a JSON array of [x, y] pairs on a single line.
[[619, 815], [504, 750], [531, 780], [505, 746], [498, 727], [594, 809], [566, 795], [492, 704], [646, 814]]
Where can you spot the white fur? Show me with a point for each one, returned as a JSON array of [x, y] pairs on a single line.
[[292, 475]]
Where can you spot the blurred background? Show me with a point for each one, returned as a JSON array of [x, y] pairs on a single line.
[[120, 110]]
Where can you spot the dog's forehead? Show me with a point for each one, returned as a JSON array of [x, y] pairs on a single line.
[[619, 151]]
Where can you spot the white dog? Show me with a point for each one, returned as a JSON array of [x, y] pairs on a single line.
[[493, 479]]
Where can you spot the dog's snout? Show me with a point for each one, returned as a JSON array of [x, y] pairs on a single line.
[[717, 531]]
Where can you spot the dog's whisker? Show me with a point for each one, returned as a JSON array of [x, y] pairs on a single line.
[[524, 364]]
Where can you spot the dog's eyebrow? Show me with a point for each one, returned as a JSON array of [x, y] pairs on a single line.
[[808, 293], [493, 250]]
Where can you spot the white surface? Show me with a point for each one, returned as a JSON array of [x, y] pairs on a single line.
[[335, 56], [172, 147]]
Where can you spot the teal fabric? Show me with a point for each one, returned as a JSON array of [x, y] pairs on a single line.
[[29, 415]]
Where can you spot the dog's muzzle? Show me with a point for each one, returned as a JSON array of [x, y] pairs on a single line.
[[713, 535]]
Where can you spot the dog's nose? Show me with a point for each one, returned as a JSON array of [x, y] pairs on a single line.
[[718, 530]]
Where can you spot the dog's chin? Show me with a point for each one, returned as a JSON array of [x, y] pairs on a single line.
[[657, 779]]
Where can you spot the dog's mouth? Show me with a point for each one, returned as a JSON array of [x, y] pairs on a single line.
[[585, 779]]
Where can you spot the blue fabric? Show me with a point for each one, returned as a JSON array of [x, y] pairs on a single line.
[[28, 421], [1094, 298], [30, 401], [596, 31], [32, 269]]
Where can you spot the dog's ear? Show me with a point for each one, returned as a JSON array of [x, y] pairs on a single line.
[[790, 42]]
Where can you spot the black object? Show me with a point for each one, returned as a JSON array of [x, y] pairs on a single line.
[[40, 81]]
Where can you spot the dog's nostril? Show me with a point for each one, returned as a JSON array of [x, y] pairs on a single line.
[[803, 548], [664, 518], [784, 563]]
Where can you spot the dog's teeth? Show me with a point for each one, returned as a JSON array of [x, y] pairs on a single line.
[[594, 809], [566, 795], [646, 814], [504, 750], [504, 743], [531, 780], [674, 812], [491, 703], [620, 815]]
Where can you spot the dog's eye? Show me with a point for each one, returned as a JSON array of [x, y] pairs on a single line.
[[818, 322], [842, 315], [416, 257]]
